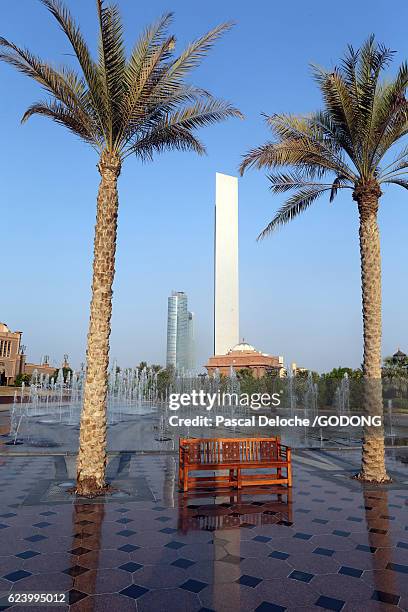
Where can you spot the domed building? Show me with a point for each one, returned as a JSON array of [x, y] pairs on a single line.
[[245, 356], [399, 358]]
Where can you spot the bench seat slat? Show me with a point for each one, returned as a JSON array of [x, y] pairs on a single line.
[[237, 464]]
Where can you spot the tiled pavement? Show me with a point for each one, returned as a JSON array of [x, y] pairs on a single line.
[[331, 546]]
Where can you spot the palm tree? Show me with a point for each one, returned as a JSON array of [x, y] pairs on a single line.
[[346, 146], [121, 106]]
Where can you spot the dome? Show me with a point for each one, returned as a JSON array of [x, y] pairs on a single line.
[[4, 329], [243, 347], [399, 355]]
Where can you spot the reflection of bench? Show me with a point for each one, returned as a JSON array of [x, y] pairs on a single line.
[[234, 455], [234, 509]]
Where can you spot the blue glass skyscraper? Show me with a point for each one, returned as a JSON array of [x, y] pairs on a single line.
[[180, 333]]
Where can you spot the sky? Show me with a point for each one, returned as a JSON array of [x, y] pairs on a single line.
[[299, 290]]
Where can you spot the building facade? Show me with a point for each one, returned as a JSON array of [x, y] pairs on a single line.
[[11, 355], [180, 333], [13, 359], [226, 289], [245, 356]]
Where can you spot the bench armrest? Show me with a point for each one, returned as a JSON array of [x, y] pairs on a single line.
[[285, 452]]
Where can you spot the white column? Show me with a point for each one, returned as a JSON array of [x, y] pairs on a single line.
[[226, 292]]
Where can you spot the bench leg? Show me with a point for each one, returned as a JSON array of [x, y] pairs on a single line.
[[185, 480], [289, 469]]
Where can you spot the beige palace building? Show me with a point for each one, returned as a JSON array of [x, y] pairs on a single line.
[[13, 359]]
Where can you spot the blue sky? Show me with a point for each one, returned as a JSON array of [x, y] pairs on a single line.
[[300, 290]]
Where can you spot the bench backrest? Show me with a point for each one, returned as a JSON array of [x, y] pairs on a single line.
[[218, 450]]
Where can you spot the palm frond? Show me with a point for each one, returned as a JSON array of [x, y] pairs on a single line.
[[156, 111], [341, 106], [389, 115], [349, 68], [309, 130], [165, 137], [60, 114], [296, 204], [149, 51], [201, 114], [338, 183], [138, 100], [302, 154], [193, 55], [158, 80], [335, 132], [374, 57], [64, 85], [286, 181], [398, 181], [112, 63], [280, 182], [88, 65], [401, 158], [145, 48]]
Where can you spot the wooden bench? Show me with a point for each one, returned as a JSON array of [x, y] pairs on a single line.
[[233, 455]]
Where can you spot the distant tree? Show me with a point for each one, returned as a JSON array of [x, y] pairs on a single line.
[[248, 383], [165, 378], [271, 382], [395, 377], [338, 373], [329, 382], [303, 373], [22, 378]]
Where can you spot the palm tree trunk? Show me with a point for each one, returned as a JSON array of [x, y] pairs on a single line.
[[92, 442], [373, 460]]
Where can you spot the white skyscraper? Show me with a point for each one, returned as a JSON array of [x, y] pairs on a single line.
[[226, 292]]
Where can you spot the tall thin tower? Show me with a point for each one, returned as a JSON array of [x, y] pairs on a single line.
[[226, 292]]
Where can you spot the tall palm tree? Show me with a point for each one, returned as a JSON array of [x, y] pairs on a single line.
[[346, 146], [121, 106]]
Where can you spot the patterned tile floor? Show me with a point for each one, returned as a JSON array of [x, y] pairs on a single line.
[[330, 545]]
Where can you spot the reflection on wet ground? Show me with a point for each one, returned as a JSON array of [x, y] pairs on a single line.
[[4, 423], [329, 544], [234, 509]]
